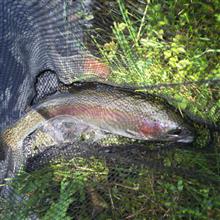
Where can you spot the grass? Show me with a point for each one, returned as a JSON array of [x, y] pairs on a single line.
[[81, 188], [170, 42], [161, 42]]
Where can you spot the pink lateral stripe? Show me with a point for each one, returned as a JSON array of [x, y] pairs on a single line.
[[97, 112], [89, 110]]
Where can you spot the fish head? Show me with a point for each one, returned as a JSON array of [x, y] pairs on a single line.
[[166, 130]]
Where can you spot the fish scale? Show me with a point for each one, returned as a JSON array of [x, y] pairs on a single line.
[[108, 105], [101, 108]]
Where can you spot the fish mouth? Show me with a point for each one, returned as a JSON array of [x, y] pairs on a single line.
[[181, 135], [184, 139]]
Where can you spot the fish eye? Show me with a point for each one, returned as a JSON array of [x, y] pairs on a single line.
[[176, 131]]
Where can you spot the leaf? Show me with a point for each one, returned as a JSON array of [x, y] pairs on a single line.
[[180, 185]]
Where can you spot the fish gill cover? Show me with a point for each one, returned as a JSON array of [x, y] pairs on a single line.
[[109, 109]]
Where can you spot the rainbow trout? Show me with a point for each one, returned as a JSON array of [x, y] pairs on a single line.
[[103, 108], [119, 111]]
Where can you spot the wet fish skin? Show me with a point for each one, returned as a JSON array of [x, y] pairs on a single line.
[[120, 112], [12, 138], [33, 134], [114, 110], [57, 131], [104, 108]]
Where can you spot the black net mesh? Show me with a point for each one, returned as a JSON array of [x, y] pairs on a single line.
[[109, 109]]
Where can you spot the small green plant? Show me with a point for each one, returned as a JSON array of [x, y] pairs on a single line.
[[169, 42], [89, 188]]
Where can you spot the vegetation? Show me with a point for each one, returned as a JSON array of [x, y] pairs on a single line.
[[165, 42], [82, 188], [161, 42]]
